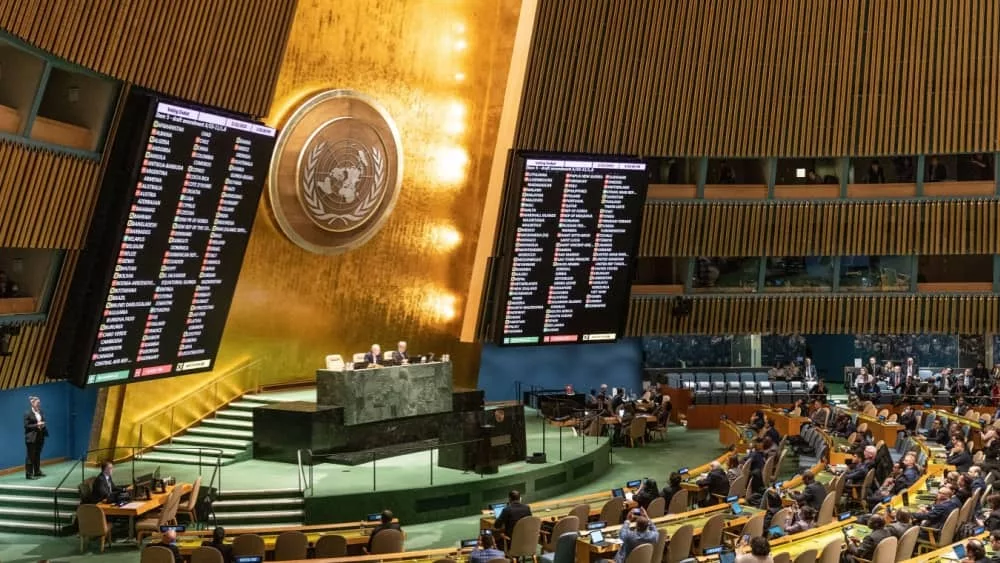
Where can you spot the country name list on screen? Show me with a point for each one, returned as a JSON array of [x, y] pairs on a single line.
[[189, 220], [576, 229]]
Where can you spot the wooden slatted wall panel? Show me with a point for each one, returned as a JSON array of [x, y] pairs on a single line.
[[219, 52], [880, 314], [45, 198], [30, 350], [746, 78], [821, 229]]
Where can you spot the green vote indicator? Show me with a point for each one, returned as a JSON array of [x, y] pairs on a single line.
[[106, 377], [521, 340]]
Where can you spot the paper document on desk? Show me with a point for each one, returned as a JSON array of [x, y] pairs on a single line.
[[613, 540], [132, 505]]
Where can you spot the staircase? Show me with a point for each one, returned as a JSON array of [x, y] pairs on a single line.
[[231, 430], [28, 509], [236, 509]]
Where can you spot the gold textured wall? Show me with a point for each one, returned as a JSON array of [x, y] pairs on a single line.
[[439, 68], [763, 77], [218, 52]]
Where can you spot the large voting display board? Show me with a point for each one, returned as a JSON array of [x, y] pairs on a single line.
[[188, 196], [570, 238]]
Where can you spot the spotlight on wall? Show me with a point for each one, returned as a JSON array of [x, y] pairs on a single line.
[[441, 305], [444, 237], [800, 172], [450, 164]]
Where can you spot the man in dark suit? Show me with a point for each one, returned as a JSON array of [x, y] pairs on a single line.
[[813, 494], [387, 524], [35, 431], [959, 457], [910, 368], [168, 539], [935, 516], [104, 487], [866, 549], [219, 543], [511, 514], [400, 355], [374, 356], [715, 482]]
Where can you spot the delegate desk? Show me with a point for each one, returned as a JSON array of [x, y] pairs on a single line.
[[669, 524], [947, 553], [421, 556], [356, 534], [817, 538], [138, 508], [785, 424], [553, 510], [881, 430]]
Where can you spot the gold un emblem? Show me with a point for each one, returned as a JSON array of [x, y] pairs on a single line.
[[336, 172]]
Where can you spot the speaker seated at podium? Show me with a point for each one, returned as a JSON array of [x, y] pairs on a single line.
[[335, 362], [373, 357], [400, 357]]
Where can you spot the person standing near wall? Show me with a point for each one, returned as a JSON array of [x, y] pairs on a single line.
[[35, 431]]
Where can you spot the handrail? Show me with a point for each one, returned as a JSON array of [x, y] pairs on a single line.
[[198, 390], [238, 370], [55, 498]]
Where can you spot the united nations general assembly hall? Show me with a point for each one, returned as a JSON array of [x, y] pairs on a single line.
[[485, 281]]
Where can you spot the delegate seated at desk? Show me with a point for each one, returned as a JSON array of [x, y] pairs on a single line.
[[645, 532], [387, 524], [168, 540], [373, 357], [400, 356], [104, 489], [218, 541], [716, 482], [511, 514]]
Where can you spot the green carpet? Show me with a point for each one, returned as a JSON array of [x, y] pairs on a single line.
[[681, 448]]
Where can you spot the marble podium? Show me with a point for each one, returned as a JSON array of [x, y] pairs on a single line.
[[383, 412], [386, 393]]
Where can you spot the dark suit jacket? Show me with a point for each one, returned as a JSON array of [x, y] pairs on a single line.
[[509, 517], [717, 483], [379, 528], [32, 432], [225, 549], [962, 461], [859, 472], [909, 421], [813, 495], [867, 548], [370, 359], [938, 514], [173, 548], [102, 489], [398, 358], [908, 477]]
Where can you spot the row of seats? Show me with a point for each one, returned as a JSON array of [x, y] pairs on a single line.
[[679, 380], [888, 395], [748, 392]]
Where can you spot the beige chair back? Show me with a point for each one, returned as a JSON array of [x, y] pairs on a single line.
[[637, 429], [754, 526], [739, 485], [862, 428], [582, 513], [768, 470], [205, 554], [781, 517], [797, 411], [612, 510], [948, 530], [680, 544], [499, 560], [331, 545], [524, 539], [885, 551], [661, 544], [831, 553], [678, 503], [782, 558], [565, 525], [711, 532], [807, 556], [892, 417], [966, 511], [156, 554], [91, 521], [387, 541], [248, 544], [657, 508], [907, 542], [193, 498], [641, 554], [825, 515], [293, 545], [883, 412]]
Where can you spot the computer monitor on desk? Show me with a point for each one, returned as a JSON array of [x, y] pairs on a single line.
[[144, 483]]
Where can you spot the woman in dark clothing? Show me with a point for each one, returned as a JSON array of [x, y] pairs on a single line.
[[646, 493], [672, 488]]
